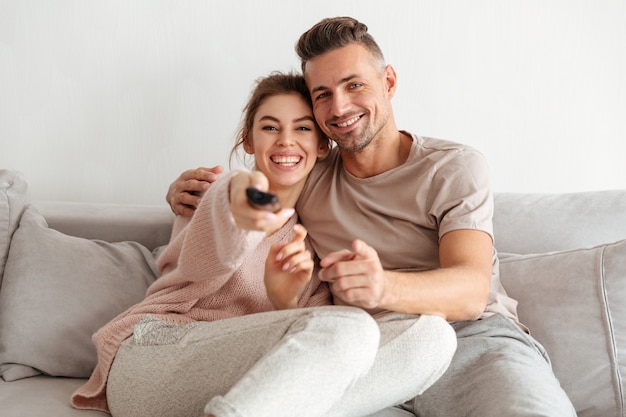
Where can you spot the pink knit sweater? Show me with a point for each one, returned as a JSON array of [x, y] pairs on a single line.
[[211, 270]]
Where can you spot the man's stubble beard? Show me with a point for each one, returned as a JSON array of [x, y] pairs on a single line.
[[350, 146], [362, 140]]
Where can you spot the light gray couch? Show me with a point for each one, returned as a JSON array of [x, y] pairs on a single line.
[[561, 257]]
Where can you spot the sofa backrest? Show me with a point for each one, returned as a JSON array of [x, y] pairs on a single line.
[[149, 225], [523, 222], [527, 223]]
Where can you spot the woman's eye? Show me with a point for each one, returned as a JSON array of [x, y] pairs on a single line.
[[269, 128], [305, 128]]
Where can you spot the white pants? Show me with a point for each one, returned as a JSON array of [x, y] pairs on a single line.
[[321, 361]]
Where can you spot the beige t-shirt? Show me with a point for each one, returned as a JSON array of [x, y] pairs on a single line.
[[404, 212]]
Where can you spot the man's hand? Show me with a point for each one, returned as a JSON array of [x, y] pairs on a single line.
[[288, 270], [356, 277], [458, 290], [185, 193]]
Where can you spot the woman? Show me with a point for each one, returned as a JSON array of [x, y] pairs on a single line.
[[213, 338]]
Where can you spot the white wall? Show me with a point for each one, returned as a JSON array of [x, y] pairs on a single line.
[[110, 100]]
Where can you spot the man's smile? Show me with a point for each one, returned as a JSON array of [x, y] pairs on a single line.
[[348, 122]]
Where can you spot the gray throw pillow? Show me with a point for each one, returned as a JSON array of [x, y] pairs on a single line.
[[57, 291], [13, 198], [573, 304]]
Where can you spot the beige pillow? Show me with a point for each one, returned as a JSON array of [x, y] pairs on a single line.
[[574, 303], [57, 291]]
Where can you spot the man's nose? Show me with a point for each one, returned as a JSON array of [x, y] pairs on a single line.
[[340, 103]]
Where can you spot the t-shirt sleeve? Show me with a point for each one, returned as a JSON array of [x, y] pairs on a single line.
[[463, 198]]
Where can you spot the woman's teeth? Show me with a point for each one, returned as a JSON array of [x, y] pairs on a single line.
[[287, 161]]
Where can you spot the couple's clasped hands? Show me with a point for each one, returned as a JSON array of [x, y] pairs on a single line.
[[355, 275]]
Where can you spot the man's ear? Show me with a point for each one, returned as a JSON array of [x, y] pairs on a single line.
[[391, 80], [246, 140]]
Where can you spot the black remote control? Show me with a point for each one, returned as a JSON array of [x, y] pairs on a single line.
[[262, 200]]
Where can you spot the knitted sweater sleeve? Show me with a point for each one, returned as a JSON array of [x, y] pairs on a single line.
[[211, 246]]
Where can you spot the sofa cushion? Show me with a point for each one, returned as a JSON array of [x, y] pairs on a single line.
[[13, 198], [42, 396], [573, 304], [57, 291]]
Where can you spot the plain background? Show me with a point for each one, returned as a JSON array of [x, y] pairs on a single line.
[[108, 101]]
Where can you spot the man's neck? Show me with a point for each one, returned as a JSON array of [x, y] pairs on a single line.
[[381, 155]]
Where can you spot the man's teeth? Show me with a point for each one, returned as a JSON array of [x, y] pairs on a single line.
[[287, 161], [348, 122]]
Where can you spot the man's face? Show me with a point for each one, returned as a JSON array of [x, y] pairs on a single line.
[[351, 95]]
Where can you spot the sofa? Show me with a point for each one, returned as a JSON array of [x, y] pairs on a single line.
[[67, 268]]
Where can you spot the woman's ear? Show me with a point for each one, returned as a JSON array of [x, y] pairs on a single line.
[[324, 147], [246, 140]]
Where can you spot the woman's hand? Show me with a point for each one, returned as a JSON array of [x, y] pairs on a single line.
[[251, 218], [288, 269]]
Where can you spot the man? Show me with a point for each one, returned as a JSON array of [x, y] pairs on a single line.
[[421, 211]]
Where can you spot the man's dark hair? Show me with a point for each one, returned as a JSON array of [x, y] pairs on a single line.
[[333, 33]]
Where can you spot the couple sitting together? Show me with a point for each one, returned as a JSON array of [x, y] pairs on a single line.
[[375, 285]]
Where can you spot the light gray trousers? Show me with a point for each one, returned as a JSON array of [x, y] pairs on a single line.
[[323, 361], [498, 370]]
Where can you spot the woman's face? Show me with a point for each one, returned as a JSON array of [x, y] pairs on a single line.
[[285, 140]]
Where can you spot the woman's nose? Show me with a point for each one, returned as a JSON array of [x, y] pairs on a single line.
[[286, 137]]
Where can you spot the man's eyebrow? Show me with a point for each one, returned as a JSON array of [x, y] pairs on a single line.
[[320, 88], [341, 81]]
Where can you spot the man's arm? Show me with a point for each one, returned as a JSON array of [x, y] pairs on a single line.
[[458, 290], [185, 193]]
